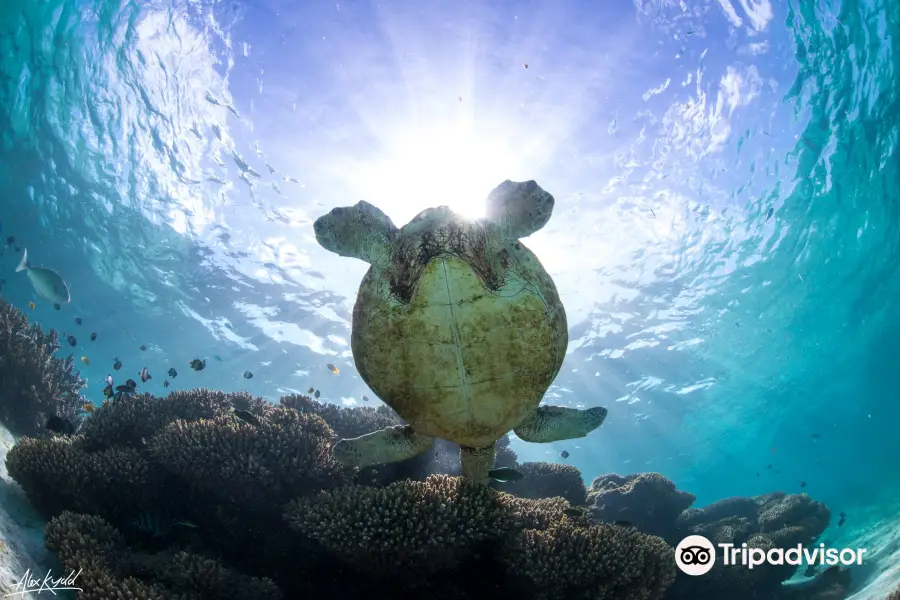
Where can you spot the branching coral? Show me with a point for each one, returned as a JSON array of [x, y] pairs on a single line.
[[647, 500], [346, 422], [283, 456], [570, 561], [58, 473], [546, 480], [425, 527], [33, 382], [110, 571], [134, 421]]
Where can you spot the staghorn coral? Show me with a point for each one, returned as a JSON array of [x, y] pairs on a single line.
[[33, 382], [423, 528], [600, 562], [286, 455], [647, 500], [57, 473], [134, 421], [426, 526], [346, 422], [546, 480], [110, 571]]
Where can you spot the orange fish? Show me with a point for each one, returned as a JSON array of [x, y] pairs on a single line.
[[88, 407], [309, 391], [85, 360], [333, 368], [31, 305]]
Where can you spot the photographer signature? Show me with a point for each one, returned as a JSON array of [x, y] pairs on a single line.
[[30, 584]]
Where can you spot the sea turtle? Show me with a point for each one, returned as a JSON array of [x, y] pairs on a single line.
[[457, 327]]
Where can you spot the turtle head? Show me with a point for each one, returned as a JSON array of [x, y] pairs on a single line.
[[360, 231], [519, 208]]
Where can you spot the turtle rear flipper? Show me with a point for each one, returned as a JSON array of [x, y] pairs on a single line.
[[555, 423], [518, 209], [359, 231], [392, 444]]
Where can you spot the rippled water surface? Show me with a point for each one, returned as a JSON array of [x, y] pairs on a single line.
[[725, 237]]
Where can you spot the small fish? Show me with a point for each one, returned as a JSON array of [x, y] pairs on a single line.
[[842, 520], [816, 436], [108, 391], [218, 358], [109, 380], [769, 466], [526, 66], [145, 375], [365, 398], [59, 425], [151, 524], [248, 375], [757, 473], [189, 524], [78, 320], [310, 391], [85, 360], [246, 416], [131, 383], [117, 364], [10, 241], [769, 213], [317, 394], [573, 512], [564, 454], [93, 337], [57, 306], [198, 365], [505, 474], [802, 484], [72, 341], [143, 347], [46, 282], [333, 368], [124, 389], [88, 407], [166, 383], [32, 305], [173, 373], [625, 524]]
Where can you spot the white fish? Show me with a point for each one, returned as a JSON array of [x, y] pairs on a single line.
[[46, 282]]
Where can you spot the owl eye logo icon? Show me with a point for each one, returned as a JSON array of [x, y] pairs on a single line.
[[695, 555]]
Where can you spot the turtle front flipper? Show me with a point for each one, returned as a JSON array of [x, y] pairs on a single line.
[[477, 462], [518, 209], [386, 446], [555, 423], [359, 231]]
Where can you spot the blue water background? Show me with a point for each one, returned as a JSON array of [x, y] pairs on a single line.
[[138, 136]]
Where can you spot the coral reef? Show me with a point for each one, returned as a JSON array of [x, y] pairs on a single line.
[[33, 382], [546, 480], [649, 501], [178, 497], [421, 528], [110, 570]]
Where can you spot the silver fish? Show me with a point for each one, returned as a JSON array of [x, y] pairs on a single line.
[[46, 282]]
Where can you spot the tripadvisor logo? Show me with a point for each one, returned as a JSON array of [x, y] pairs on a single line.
[[696, 555]]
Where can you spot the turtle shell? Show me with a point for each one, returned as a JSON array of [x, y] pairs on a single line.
[[461, 335]]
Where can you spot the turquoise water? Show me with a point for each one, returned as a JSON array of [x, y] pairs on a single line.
[[724, 240]]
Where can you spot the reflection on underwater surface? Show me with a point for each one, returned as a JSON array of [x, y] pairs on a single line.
[[723, 241]]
